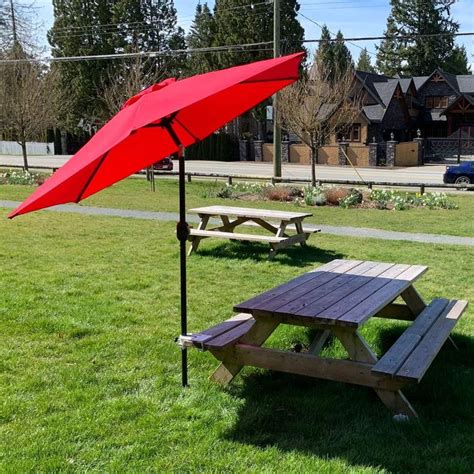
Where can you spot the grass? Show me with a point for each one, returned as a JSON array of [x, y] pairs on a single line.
[[134, 193], [89, 371]]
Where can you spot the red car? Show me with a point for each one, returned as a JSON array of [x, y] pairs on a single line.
[[166, 164]]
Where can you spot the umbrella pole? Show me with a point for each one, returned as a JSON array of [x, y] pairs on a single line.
[[182, 233]]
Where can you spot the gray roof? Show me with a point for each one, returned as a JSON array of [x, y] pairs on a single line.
[[375, 112], [385, 90], [466, 83], [405, 84], [420, 80]]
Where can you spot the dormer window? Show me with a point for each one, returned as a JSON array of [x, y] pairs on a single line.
[[436, 101]]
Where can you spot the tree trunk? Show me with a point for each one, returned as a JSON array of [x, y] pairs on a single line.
[[23, 150], [314, 158]]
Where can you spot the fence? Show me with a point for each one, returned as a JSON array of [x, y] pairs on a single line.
[[32, 148], [343, 182]]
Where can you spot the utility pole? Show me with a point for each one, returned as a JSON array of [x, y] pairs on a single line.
[[276, 128], [15, 37]]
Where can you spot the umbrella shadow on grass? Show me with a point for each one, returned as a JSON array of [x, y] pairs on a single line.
[[337, 422], [294, 256]]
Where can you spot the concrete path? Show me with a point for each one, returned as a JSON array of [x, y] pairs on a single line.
[[327, 229]]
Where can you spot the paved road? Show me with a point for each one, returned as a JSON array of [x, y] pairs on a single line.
[[345, 231], [422, 174]]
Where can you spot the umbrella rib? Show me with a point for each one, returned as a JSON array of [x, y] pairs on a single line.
[[186, 128], [279, 79], [92, 176]]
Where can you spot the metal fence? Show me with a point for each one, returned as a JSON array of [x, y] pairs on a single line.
[[448, 150]]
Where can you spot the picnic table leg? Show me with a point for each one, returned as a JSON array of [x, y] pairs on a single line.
[[280, 233], [413, 300], [359, 351], [227, 370], [318, 341], [299, 230], [195, 242]]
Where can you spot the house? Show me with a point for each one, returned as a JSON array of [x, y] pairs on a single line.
[[439, 105]]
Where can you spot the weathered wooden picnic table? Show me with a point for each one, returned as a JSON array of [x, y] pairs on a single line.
[[336, 299], [232, 217]]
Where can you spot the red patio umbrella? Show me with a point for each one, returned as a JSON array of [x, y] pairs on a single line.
[[157, 122]]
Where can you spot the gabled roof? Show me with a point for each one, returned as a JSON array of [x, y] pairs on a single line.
[[385, 90], [466, 83], [467, 97], [368, 80], [374, 113], [447, 76], [420, 80]]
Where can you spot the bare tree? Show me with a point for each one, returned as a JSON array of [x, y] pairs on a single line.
[[126, 81], [316, 107], [28, 95]]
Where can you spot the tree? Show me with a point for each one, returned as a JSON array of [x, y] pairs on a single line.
[[364, 62], [108, 27], [342, 56], [418, 55], [237, 22], [202, 34], [316, 107], [27, 95], [333, 55], [325, 54], [388, 60], [458, 63]]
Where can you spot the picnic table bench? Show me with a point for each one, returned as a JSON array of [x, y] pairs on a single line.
[[336, 299], [232, 217]]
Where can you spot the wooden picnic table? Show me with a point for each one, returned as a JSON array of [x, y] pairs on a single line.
[[277, 223], [336, 299]]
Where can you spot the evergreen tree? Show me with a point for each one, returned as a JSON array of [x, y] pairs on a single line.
[[342, 56], [106, 27], [418, 55], [364, 62], [238, 22], [388, 60], [325, 52], [457, 63], [202, 34]]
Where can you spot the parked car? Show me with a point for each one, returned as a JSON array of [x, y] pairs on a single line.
[[461, 174], [166, 164]]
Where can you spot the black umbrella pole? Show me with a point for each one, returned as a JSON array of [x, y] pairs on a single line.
[[183, 233]]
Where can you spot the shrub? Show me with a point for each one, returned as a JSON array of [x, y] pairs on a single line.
[[20, 177], [335, 194], [278, 193], [314, 196]]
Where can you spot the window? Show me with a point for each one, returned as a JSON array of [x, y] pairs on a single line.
[[436, 101], [350, 134]]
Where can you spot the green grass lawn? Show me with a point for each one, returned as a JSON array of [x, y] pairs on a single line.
[[134, 193], [89, 371]]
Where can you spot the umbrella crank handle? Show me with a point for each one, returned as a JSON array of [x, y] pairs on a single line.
[[182, 231]]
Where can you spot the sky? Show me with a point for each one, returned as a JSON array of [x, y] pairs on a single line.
[[354, 18]]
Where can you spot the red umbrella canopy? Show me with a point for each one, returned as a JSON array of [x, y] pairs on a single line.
[[139, 135]]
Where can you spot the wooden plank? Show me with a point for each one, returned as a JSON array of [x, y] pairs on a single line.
[[310, 365], [418, 362], [396, 311], [321, 308], [249, 212], [229, 368], [393, 359], [221, 328], [365, 289], [381, 296], [310, 294], [413, 300], [256, 301], [234, 236], [230, 337]]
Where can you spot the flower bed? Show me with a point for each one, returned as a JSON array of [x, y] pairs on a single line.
[[336, 196], [21, 177]]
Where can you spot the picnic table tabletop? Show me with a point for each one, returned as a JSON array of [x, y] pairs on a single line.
[[249, 212], [341, 293]]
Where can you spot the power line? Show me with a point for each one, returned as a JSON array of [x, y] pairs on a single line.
[[347, 40], [144, 54], [396, 38]]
